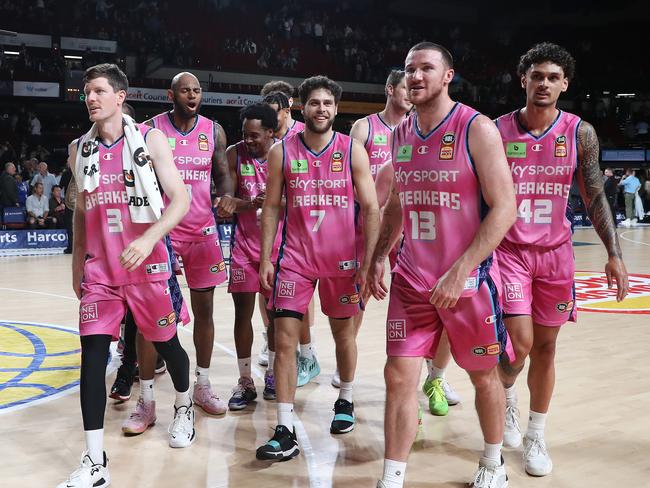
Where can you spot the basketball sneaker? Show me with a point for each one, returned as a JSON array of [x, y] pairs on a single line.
[[281, 447], [512, 431], [142, 417], [181, 430], [243, 394], [432, 388], [380, 484], [121, 389], [537, 462], [263, 358], [308, 369], [452, 397], [490, 474], [336, 379], [343, 421], [207, 400], [89, 474], [269, 386]]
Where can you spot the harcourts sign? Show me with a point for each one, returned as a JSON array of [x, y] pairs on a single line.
[[16, 242]]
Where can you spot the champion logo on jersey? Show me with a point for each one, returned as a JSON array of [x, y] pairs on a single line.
[[423, 149], [183, 142], [447, 146], [203, 142], [316, 163], [107, 156], [560, 147], [536, 147], [337, 162]]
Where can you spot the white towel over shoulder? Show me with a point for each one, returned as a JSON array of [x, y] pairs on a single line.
[[145, 200]]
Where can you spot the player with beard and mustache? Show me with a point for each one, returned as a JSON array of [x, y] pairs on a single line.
[[318, 171], [198, 145]]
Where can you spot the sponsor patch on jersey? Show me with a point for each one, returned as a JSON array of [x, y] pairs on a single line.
[[489, 350], [88, 313], [287, 289], [592, 294], [470, 283], [172, 142], [396, 330], [238, 275], [203, 142], [247, 169], [169, 319], [155, 268], [217, 268], [347, 265], [516, 149], [350, 299], [404, 153], [563, 307], [447, 145], [129, 178], [560, 147], [337, 162], [299, 166], [513, 292], [380, 139], [207, 231]]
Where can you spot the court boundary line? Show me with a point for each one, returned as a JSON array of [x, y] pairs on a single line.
[[633, 240]]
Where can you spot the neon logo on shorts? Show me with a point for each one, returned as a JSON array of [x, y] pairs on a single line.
[[513, 292], [238, 275], [592, 294], [396, 330], [89, 313], [38, 362], [287, 289]]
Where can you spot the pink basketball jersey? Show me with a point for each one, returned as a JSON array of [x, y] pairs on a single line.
[[109, 229], [193, 157], [542, 170], [377, 143], [296, 127], [319, 226], [442, 207], [251, 181]]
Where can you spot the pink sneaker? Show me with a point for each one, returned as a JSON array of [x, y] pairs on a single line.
[[208, 401], [142, 417]]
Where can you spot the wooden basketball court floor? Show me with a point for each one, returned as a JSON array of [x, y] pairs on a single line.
[[598, 429]]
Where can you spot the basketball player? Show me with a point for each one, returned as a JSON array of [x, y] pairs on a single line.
[[318, 170], [118, 263], [308, 366], [198, 146], [248, 165], [546, 147], [453, 192]]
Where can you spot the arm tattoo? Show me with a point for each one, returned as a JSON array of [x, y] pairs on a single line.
[[591, 187], [220, 169]]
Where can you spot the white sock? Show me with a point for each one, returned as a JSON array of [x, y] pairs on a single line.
[[492, 451], [511, 396], [305, 351], [146, 390], [285, 415], [95, 445], [182, 399], [394, 472], [345, 393], [536, 424], [271, 360], [244, 367], [202, 376], [435, 372]]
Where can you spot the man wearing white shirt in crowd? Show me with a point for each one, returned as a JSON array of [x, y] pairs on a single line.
[[38, 207]]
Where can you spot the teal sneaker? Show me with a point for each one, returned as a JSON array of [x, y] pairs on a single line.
[[308, 369]]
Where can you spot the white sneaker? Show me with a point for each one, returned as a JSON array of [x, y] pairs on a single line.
[[89, 474], [490, 475], [634, 223], [537, 462], [336, 379], [380, 484], [626, 223], [453, 398], [181, 430], [263, 358], [512, 431]]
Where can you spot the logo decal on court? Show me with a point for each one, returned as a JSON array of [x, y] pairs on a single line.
[[593, 295], [37, 362]]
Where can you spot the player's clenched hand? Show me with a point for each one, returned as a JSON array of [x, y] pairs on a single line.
[[136, 252], [615, 271], [266, 274], [448, 289], [375, 279], [226, 206], [258, 201]]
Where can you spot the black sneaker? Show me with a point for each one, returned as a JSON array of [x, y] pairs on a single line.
[[343, 420], [121, 389], [281, 447]]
